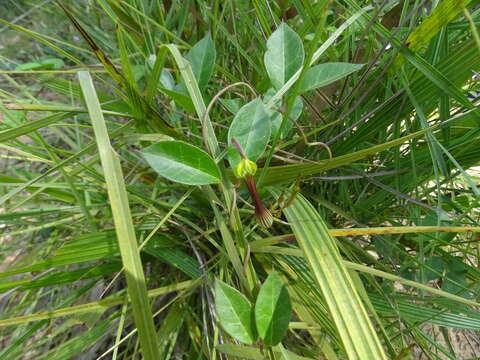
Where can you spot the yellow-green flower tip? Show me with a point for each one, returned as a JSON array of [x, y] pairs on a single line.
[[246, 168]]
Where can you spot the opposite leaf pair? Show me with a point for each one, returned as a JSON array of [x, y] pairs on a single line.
[[285, 57], [269, 319]]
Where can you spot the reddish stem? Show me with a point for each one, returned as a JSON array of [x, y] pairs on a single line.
[[262, 214], [252, 189]]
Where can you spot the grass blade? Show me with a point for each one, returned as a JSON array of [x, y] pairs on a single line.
[[356, 331], [117, 193], [92, 307]]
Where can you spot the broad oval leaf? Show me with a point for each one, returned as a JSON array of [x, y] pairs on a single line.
[[182, 162], [235, 313], [456, 283], [276, 117], [232, 105], [251, 127], [166, 80], [180, 98], [435, 268], [273, 310], [455, 279], [324, 74], [202, 59], [284, 55]]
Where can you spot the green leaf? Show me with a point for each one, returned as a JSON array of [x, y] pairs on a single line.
[[251, 128], [174, 256], [182, 162], [47, 64], [181, 99], [122, 218], [61, 277], [331, 39], [82, 248], [286, 173], [78, 344], [284, 55], [455, 280], [345, 306], [435, 263], [273, 310], [413, 312], [232, 105], [276, 116], [167, 81], [324, 74], [455, 283], [193, 90], [202, 58], [53, 63], [30, 126], [254, 353], [29, 66], [235, 313], [93, 307], [445, 12]]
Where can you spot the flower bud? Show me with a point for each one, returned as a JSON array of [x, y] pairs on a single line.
[[246, 168]]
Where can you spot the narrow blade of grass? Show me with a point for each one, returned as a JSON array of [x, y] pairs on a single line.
[[356, 331], [96, 306], [117, 194]]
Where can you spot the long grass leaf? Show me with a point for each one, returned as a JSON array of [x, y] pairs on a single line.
[[94, 306], [446, 11], [354, 326], [127, 241], [287, 173]]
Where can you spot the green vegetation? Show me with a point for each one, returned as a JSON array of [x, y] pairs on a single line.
[[284, 179]]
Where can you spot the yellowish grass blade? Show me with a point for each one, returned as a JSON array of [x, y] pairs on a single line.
[[348, 312], [117, 194]]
